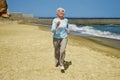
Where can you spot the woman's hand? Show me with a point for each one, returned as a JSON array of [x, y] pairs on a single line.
[[58, 23], [68, 31]]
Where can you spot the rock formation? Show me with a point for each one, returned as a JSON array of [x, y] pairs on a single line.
[[3, 9]]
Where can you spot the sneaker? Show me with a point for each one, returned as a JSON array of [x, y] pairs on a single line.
[[62, 67]]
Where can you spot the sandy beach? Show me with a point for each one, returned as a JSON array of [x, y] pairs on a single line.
[[27, 53]]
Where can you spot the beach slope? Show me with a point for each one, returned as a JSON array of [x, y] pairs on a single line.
[[27, 53]]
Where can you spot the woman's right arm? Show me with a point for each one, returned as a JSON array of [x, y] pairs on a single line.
[[55, 25], [53, 29]]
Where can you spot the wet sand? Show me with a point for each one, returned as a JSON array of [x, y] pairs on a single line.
[[27, 53], [108, 42]]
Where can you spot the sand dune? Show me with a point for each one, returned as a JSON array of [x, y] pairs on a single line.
[[26, 53]]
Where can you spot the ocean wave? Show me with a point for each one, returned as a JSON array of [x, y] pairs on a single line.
[[90, 30]]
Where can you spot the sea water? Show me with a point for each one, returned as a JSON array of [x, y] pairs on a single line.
[[106, 34]]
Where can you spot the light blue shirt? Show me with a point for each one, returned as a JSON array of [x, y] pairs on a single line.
[[61, 30]]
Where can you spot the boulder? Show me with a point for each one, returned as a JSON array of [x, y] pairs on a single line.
[[3, 9]]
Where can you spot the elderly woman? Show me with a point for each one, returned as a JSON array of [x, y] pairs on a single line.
[[61, 31]]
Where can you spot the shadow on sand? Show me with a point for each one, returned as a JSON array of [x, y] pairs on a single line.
[[67, 64]]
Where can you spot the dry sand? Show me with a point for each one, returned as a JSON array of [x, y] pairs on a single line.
[[27, 53]]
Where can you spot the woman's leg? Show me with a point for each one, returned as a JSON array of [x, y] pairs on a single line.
[[62, 51], [56, 43]]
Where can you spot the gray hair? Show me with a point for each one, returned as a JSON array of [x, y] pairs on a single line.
[[60, 9]]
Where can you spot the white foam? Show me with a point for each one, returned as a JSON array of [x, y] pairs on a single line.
[[89, 30]]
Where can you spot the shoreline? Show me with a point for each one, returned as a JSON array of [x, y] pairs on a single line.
[[114, 43], [93, 40], [91, 43]]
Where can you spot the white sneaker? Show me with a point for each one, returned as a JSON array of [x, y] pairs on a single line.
[[62, 67]]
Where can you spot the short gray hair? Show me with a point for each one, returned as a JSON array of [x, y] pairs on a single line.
[[60, 9]]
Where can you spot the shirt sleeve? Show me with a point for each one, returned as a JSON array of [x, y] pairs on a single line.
[[67, 24], [53, 29]]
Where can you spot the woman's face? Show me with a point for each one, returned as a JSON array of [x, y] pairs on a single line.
[[60, 13]]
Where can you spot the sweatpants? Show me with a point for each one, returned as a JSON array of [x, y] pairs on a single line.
[[59, 49]]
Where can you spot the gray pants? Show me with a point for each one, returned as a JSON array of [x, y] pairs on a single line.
[[59, 46]]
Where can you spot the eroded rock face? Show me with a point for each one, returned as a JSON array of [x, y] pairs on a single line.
[[3, 9]]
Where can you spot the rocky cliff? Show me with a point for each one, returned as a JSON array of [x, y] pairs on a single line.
[[3, 9]]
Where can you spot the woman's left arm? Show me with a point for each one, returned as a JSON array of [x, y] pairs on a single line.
[[68, 30]]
